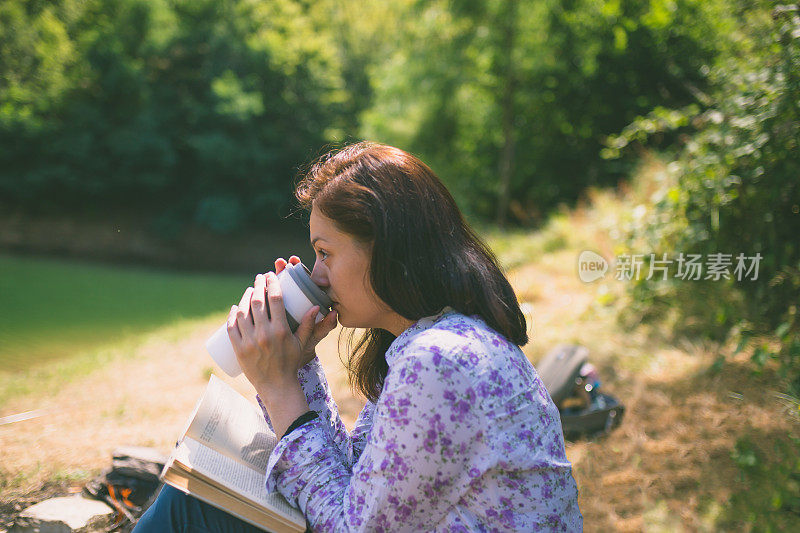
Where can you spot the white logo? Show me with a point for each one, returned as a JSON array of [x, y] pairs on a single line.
[[591, 266]]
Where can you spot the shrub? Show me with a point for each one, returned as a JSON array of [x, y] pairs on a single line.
[[734, 188]]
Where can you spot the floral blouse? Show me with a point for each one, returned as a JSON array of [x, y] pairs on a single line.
[[464, 437]]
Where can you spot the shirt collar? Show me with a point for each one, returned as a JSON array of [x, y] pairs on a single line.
[[410, 332]]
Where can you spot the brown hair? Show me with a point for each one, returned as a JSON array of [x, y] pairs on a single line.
[[424, 255]]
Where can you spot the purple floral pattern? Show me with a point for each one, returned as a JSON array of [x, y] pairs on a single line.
[[464, 437]]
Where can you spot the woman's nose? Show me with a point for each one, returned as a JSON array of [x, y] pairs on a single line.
[[319, 275]]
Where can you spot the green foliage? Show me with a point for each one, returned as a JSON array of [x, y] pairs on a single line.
[[199, 111], [37, 55], [568, 73], [191, 111], [767, 494], [734, 189]]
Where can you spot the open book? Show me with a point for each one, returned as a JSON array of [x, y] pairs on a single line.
[[221, 458]]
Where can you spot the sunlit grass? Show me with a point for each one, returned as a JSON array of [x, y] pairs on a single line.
[[53, 309], [48, 378]]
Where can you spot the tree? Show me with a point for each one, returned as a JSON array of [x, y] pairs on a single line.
[[512, 99], [187, 111]]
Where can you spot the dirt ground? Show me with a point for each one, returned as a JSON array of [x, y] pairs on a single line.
[[668, 467]]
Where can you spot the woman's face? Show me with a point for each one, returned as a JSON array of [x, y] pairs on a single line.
[[342, 269]]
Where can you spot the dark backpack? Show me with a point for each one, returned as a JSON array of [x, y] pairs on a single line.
[[574, 385]]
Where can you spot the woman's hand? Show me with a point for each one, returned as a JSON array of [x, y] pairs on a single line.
[[320, 330], [269, 354]]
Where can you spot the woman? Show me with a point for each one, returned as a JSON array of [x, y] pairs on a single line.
[[458, 433]]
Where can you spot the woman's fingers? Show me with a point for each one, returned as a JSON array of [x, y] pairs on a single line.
[[244, 304], [244, 319], [258, 301], [325, 326], [281, 263], [306, 327], [233, 329], [277, 311]]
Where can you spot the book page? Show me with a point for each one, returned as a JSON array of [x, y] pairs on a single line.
[[240, 479], [227, 422], [232, 504]]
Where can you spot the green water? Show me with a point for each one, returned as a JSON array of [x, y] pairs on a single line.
[[52, 309]]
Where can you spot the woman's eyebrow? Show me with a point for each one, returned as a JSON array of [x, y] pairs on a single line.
[[315, 239]]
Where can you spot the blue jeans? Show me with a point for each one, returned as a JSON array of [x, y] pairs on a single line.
[[175, 512]]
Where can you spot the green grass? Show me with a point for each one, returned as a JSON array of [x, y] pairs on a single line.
[[51, 310]]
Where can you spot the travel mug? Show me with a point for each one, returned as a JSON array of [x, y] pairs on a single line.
[[299, 295]]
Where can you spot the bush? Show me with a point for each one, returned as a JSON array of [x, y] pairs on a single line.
[[766, 493], [734, 189]]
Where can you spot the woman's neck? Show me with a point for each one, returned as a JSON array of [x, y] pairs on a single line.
[[397, 325]]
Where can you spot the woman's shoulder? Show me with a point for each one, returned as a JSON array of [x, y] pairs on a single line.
[[449, 329], [461, 330], [496, 369], [466, 341]]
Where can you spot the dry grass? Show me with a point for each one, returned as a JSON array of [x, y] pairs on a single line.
[[668, 467], [141, 397]]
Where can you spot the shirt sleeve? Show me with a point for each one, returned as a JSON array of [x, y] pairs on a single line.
[[319, 398], [360, 433], [415, 464]]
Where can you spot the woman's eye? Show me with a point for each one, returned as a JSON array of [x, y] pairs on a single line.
[[322, 254]]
